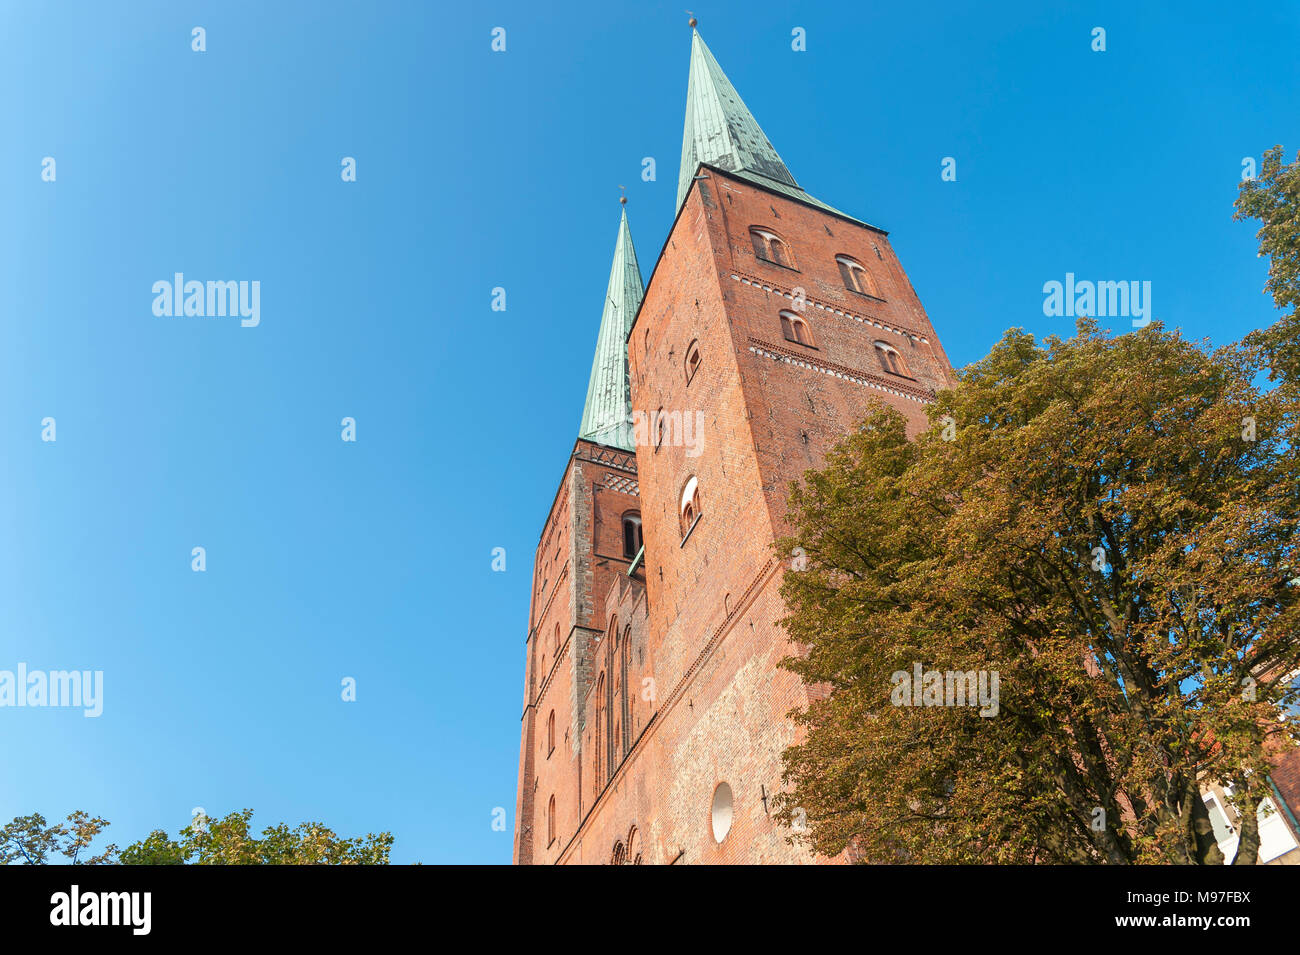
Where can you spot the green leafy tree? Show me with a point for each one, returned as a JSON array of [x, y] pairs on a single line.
[[1274, 199], [230, 841], [30, 840], [154, 849], [1108, 523]]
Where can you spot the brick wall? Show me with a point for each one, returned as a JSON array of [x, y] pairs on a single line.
[[579, 556], [762, 410]]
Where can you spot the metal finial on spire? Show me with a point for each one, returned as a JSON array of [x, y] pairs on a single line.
[[622, 200], [692, 20]]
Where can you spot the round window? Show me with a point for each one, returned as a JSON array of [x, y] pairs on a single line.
[[722, 812]]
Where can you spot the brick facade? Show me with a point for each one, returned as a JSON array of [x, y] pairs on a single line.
[[666, 684]]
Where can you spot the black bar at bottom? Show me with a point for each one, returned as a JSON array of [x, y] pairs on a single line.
[[217, 904]]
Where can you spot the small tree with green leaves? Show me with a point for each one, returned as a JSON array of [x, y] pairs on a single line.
[[230, 841], [29, 840]]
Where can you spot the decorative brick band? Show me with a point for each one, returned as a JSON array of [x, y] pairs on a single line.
[[777, 353], [769, 287], [626, 485], [610, 457]]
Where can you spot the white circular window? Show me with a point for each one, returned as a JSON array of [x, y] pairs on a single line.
[[722, 812]]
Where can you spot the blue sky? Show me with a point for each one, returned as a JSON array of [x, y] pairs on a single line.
[[475, 169]]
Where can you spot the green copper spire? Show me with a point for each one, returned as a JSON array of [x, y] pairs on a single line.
[[721, 131], [607, 416]]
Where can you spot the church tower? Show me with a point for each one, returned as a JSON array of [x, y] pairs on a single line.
[[588, 546], [770, 324]]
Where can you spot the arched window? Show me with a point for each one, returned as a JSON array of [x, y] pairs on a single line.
[[550, 822], [722, 811], [770, 247], [692, 360], [631, 843], [600, 732], [690, 506], [660, 423], [890, 360], [550, 733], [856, 278], [620, 855], [795, 329], [556, 642], [631, 534], [625, 702]]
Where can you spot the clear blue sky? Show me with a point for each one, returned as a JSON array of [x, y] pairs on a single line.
[[475, 169]]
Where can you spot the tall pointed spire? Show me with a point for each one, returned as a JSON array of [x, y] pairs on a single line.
[[721, 131], [606, 418]]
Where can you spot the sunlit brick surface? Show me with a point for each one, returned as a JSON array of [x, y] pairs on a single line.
[[698, 618]]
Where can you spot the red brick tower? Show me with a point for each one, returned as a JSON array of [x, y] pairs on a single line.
[[770, 322], [587, 549]]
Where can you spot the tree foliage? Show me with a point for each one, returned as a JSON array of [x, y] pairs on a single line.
[[228, 841], [1274, 199], [31, 841], [1108, 523]]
